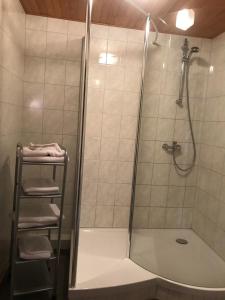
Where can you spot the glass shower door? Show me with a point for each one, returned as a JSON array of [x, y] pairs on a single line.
[[168, 236]]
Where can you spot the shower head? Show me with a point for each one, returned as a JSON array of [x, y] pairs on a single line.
[[195, 49]]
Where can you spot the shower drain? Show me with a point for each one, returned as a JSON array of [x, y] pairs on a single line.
[[182, 241]]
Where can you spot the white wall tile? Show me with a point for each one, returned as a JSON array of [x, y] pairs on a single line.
[[55, 71], [56, 45], [57, 25], [35, 43], [36, 22]]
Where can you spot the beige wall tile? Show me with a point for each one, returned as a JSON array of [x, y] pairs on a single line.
[[173, 217], [117, 34], [55, 71], [109, 149], [175, 196], [99, 31], [73, 73], [159, 196], [92, 148], [74, 48], [144, 173], [35, 43], [34, 69], [123, 194], [56, 45], [142, 195], [157, 217], [71, 98], [128, 127], [57, 25], [114, 78], [141, 215], [32, 120], [104, 216], [106, 194], [70, 122], [87, 215], [53, 121], [89, 191], [125, 172], [160, 174], [107, 171], [113, 102], [54, 96], [33, 95], [91, 169], [121, 216], [76, 28], [36, 22], [126, 150], [93, 124], [110, 126]]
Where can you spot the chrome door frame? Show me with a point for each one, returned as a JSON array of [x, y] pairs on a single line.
[[81, 146], [138, 131]]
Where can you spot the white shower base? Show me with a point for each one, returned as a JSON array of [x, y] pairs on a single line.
[[103, 259], [194, 264]]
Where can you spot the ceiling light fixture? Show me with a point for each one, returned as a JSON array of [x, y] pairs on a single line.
[[185, 19]]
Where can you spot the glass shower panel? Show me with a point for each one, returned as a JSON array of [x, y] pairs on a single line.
[[167, 222]]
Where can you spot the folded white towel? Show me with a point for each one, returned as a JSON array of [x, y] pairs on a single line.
[[37, 150], [39, 186], [34, 247], [38, 215], [43, 159]]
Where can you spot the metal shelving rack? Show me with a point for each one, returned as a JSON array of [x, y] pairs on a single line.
[[37, 275]]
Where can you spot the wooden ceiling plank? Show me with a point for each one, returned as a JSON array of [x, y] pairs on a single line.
[[210, 15]]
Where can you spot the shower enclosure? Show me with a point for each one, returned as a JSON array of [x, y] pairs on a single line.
[[153, 151], [175, 222]]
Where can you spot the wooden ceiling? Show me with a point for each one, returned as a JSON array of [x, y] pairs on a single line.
[[209, 14]]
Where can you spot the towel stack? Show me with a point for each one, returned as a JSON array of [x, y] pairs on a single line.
[[39, 186], [43, 153], [38, 215], [34, 247]]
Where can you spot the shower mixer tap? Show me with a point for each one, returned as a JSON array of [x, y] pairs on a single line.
[[175, 147]]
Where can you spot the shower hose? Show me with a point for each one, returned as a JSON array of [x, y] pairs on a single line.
[[188, 169]]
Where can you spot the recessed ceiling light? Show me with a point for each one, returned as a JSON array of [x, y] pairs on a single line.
[[185, 19]]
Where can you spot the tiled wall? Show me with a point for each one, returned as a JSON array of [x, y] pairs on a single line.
[[164, 199], [209, 214], [113, 99], [51, 89], [12, 38]]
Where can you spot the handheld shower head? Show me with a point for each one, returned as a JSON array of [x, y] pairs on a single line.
[[195, 49]]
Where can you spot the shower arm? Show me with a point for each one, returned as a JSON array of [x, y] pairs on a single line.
[[152, 18]]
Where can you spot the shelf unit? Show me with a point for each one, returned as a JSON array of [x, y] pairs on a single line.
[[35, 275]]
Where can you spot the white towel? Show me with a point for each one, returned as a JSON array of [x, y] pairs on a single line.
[[39, 186], [43, 159], [38, 215], [39, 150], [34, 247]]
